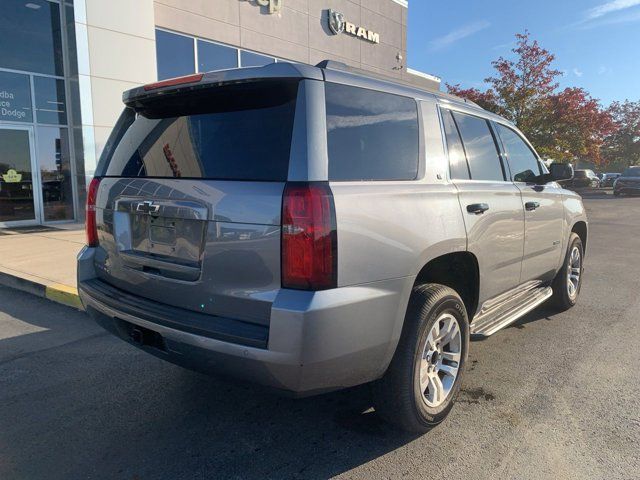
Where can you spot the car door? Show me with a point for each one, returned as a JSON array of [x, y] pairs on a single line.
[[491, 205], [543, 207]]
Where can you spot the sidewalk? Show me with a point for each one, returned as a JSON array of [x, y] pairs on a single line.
[[42, 261]]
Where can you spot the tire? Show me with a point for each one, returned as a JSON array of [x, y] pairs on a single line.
[[562, 299], [616, 194], [398, 396]]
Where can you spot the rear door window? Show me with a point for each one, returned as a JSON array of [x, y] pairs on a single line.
[[522, 161], [226, 133], [480, 147], [371, 135], [458, 168]]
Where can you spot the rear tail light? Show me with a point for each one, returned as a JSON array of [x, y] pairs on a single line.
[[90, 224], [309, 239]]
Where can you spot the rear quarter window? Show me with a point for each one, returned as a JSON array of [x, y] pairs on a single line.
[[370, 135]]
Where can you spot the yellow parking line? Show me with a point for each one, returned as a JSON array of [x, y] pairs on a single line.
[[64, 294]]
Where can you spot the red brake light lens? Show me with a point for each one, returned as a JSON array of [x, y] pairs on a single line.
[[90, 223], [309, 238], [194, 78]]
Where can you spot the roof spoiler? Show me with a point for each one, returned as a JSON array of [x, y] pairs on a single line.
[[272, 71]]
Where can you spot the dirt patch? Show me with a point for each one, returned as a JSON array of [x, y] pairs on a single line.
[[475, 395]]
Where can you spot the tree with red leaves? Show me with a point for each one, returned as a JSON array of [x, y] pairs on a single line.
[[564, 125], [575, 127], [487, 99]]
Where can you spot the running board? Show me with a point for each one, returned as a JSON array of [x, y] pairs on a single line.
[[496, 317]]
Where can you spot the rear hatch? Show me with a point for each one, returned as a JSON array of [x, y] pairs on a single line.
[[189, 204]]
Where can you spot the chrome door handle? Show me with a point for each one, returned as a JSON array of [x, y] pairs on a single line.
[[477, 208], [530, 206]]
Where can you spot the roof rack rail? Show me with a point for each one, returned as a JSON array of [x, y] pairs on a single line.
[[335, 65]]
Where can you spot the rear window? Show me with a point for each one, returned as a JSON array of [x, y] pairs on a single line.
[[458, 168], [240, 132], [370, 135], [480, 147]]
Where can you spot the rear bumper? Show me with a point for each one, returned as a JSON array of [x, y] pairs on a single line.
[[317, 341]]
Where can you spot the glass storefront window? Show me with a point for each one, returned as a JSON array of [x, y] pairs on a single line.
[[50, 100], [16, 180], [15, 97], [31, 36], [55, 172], [174, 54], [213, 56], [250, 59]]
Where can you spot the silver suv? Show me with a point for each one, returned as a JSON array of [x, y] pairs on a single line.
[[314, 228]]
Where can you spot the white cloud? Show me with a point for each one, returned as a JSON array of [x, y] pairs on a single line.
[[504, 46], [577, 73], [609, 7], [609, 13], [458, 34]]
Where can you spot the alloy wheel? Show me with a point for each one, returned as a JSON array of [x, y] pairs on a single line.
[[440, 360], [574, 271]]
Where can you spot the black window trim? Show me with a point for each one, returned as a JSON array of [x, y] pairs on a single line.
[[504, 154], [496, 143], [444, 111]]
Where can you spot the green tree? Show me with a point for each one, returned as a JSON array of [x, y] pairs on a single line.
[[622, 147]]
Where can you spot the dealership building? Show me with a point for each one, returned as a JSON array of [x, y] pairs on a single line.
[[65, 63]]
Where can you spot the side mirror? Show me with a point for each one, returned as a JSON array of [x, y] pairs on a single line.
[[560, 172]]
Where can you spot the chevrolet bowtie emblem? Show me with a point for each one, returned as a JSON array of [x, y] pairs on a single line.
[[147, 207]]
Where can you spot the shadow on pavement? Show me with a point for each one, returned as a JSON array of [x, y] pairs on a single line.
[[540, 314], [78, 403]]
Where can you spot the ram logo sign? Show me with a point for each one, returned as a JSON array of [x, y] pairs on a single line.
[[338, 24]]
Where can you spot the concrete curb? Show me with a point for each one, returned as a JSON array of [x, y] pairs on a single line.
[[55, 292]]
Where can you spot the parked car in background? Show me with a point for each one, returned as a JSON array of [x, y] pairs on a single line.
[[628, 182], [362, 236], [583, 178], [608, 179]]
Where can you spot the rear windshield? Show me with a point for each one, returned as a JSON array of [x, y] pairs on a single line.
[[632, 172], [240, 132]]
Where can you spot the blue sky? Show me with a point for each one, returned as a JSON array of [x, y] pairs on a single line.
[[596, 42]]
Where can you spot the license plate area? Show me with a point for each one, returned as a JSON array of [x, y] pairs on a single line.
[[172, 237], [161, 237], [162, 232]]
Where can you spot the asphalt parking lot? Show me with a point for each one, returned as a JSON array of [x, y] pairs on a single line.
[[554, 396]]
